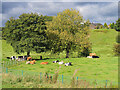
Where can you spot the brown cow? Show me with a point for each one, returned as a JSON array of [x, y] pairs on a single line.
[[29, 58], [44, 63]]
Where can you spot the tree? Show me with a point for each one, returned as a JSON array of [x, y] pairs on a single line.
[[112, 26], [97, 27], [105, 25], [101, 26], [27, 33], [117, 25], [68, 31]]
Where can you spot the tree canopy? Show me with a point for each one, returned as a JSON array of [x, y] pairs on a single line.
[[27, 33], [117, 25], [68, 31]]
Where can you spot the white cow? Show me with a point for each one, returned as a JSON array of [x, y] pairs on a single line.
[[60, 62], [89, 56], [28, 62]]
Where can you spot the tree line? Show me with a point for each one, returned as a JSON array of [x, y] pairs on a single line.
[[67, 31], [110, 26]]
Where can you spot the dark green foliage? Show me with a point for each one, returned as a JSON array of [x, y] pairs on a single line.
[[112, 26], [117, 25], [118, 38], [117, 49], [27, 33]]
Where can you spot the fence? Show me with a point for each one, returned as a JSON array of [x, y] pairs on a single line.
[[11, 63], [61, 78]]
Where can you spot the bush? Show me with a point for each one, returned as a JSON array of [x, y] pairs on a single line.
[[117, 49]]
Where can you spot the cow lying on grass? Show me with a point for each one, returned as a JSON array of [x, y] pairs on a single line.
[[68, 64], [60, 62], [13, 58], [92, 56], [44, 63], [31, 62], [55, 61]]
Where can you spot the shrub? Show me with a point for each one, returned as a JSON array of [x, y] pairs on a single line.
[[117, 49]]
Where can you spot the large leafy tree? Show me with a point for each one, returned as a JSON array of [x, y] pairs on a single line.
[[27, 33], [68, 31]]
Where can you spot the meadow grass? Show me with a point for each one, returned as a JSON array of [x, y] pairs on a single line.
[[103, 68]]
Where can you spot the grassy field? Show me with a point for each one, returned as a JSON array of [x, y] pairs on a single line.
[[103, 68]]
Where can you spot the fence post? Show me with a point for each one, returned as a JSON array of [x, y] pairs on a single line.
[[40, 75], [62, 79], [3, 64], [106, 83], [6, 70], [77, 80], [22, 72]]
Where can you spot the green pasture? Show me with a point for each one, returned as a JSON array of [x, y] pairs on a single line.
[[103, 68]]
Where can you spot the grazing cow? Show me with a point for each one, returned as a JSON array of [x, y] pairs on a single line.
[[22, 57], [29, 58], [13, 57], [92, 54], [68, 64], [55, 61], [25, 57], [60, 62]]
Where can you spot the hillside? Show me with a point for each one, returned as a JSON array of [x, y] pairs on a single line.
[[102, 43]]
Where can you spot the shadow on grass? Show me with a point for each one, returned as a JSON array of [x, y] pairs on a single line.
[[43, 59]]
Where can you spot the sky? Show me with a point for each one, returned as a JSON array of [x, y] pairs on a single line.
[[97, 12]]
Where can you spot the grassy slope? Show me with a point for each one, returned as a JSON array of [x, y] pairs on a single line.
[[106, 67]]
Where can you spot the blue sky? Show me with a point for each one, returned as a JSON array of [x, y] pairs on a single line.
[[98, 12]]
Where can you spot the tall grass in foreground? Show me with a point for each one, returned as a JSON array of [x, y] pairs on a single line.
[[47, 81]]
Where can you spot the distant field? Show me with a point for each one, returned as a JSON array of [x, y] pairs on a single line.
[[103, 68]]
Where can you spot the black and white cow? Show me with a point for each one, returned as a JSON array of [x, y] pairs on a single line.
[[13, 58], [55, 61], [22, 57], [68, 64]]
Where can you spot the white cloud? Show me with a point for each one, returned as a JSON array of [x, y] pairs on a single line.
[[100, 13], [106, 12]]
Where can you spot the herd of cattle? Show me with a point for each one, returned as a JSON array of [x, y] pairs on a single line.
[[31, 61], [20, 58], [66, 64]]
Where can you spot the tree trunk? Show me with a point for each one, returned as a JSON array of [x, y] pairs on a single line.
[[28, 53], [67, 53], [40, 57]]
